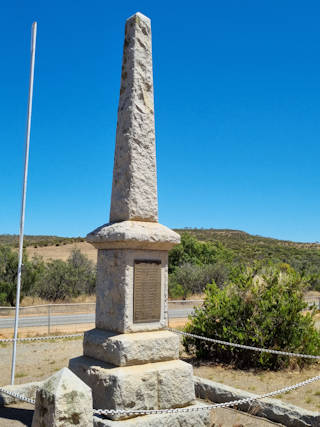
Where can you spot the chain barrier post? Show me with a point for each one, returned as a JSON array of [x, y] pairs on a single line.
[[49, 318]]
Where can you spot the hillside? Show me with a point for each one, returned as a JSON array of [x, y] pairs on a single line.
[[304, 257], [246, 247], [233, 238], [12, 240], [229, 238]]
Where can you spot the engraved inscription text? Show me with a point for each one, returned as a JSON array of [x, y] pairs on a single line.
[[147, 291]]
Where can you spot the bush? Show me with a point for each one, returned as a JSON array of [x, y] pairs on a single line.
[[191, 279], [62, 280], [82, 274], [261, 310], [30, 274], [53, 285], [192, 251]]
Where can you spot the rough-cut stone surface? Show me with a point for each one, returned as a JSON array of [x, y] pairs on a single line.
[[134, 187], [27, 390], [63, 401], [151, 386], [131, 349], [114, 290], [272, 409], [134, 235], [201, 418]]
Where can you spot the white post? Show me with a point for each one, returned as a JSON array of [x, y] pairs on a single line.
[[49, 319], [23, 202]]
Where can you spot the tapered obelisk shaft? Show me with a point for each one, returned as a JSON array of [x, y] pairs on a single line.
[[134, 187]]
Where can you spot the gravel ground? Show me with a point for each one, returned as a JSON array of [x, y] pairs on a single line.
[[38, 360], [20, 414], [260, 382]]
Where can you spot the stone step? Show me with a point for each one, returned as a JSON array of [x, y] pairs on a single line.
[[131, 349], [159, 385]]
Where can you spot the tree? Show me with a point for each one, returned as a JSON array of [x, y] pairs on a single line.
[[30, 274], [81, 274], [62, 280], [192, 251], [191, 279]]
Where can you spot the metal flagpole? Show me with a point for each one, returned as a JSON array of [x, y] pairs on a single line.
[[23, 202]]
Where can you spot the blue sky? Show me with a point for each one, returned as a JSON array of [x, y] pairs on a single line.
[[237, 104]]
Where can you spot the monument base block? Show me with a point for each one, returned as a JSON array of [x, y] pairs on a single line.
[[201, 418], [131, 349], [162, 385]]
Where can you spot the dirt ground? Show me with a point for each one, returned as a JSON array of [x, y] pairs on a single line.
[[264, 381], [36, 331], [63, 251], [20, 414], [38, 360]]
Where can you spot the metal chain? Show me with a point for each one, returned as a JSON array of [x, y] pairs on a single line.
[[191, 408], [52, 337], [18, 396], [246, 347], [205, 407], [180, 410]]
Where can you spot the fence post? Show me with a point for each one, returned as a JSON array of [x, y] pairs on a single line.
[[49, 318]]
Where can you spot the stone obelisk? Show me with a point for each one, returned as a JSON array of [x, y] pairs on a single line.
[[130, 360]]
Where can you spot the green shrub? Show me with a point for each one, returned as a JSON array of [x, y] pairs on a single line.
[[61, 280], [175, 290], [261, 310], [31, 271], [82, 273], [54, 284], [192, 251], [189, 279]]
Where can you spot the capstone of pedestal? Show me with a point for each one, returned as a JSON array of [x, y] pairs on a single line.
[[131, 349], [199, 418], [115, 287], [62, 401], [151, 386], [134, 235]]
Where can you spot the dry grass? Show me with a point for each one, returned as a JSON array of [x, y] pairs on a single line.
[[27, 301], [63, 251], [42, 331], [36, 331], [258, 382]]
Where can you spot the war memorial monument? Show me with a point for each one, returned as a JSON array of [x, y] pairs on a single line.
[[130, 360]]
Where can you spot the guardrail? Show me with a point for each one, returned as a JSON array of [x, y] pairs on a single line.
[[313, 300], [50, 315]]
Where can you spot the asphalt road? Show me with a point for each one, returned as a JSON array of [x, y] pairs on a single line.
[[71, 319]]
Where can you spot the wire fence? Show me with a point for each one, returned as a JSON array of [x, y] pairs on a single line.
[[51, 316], [313, 301]]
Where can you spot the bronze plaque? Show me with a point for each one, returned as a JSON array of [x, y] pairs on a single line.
[[147, 291]]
